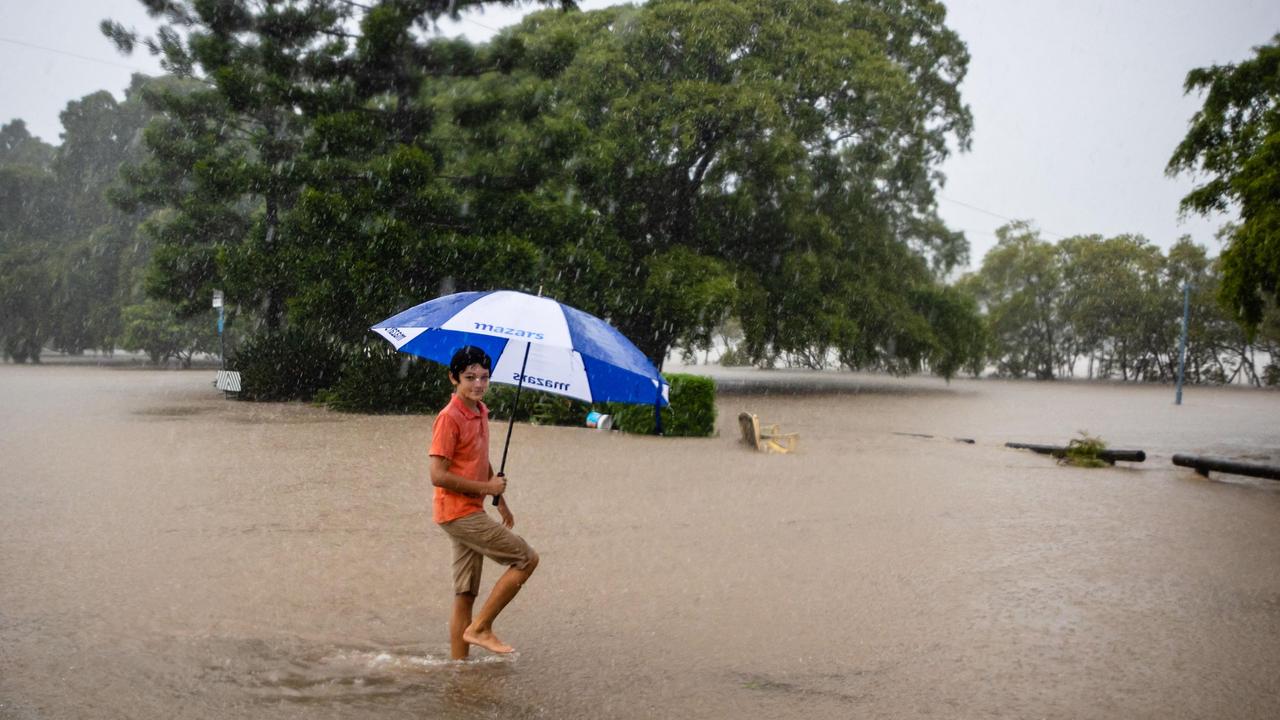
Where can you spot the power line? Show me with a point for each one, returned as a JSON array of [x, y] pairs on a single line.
[[100, 61], [486, 27], [995, 215]]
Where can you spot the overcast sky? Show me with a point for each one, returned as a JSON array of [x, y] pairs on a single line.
[[1077, 105]]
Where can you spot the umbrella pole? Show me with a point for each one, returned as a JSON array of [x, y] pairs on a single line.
[[515, 405]]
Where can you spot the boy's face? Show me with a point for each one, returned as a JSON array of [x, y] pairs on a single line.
[[472, 383]]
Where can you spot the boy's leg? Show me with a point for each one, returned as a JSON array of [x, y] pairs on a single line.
[[467, 567], [458, 622], [480, 631], [480, 533]]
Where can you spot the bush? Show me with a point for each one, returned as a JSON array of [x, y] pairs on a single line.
[[155, 328], [734, 357], [692, 412], [548, 409], [501, 398], [377, 379], [1085, 451], [288, 365]]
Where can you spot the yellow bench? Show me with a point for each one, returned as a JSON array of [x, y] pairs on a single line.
[[768, 439]]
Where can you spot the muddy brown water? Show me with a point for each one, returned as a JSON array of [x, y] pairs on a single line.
[[167, 553]]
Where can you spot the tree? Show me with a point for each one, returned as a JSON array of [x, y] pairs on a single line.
[[29, 222], [19, 147], [98, 257], [1114, 306], [1234, 139], [294, 142], [784, 154], [1019, 286], [155, 328]]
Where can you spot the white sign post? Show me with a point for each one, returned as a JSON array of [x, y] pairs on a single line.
[[227, 381]]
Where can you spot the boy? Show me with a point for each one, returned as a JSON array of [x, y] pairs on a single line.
[[462, 476]]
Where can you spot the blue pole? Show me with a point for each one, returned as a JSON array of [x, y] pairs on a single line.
[[1182, 346], [222, 353]]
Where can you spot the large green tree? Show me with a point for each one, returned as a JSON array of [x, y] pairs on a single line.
[[776, 160], [295, 147], [1218, 349], [1113, 307], [99, 257], [29, 222], [1020, 287], [1234, 141]]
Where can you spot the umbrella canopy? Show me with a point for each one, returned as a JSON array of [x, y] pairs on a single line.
[[534, 342]]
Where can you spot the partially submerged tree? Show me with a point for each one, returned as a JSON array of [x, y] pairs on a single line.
[[1234, 140], [155, 328], [29, 224], [776, 160], [1020, 289]]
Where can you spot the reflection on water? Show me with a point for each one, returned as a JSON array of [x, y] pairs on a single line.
[[165, 552]]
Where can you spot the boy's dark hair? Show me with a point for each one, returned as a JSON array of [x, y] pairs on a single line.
[[465, 357]]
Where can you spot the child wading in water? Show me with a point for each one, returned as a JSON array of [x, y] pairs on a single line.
[[462, 476]]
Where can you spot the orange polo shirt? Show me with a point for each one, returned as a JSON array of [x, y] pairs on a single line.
[[461, 436]]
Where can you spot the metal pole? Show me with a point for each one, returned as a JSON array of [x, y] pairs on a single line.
[[515, 405], [222, 348], [1182, 346]]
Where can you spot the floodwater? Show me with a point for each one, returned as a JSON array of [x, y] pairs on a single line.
[[167, 553]]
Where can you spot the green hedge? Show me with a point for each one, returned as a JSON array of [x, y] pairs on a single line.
[[377, 379], [692, 412], [286, 365]]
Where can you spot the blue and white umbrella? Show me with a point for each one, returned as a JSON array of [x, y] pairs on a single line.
[[534, 342], [570, 352]]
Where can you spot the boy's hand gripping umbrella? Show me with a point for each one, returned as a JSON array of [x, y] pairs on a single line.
[[533, 341]]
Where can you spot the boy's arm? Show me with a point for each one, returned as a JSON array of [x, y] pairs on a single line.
[[441, 477], [507, 518]]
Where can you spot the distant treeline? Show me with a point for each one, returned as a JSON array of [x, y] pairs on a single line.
[[675, 167], [1113, 308]]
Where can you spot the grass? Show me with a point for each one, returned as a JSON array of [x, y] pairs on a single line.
[[1085, 451]]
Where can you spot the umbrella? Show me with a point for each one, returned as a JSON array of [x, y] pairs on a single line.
[[533, 341]]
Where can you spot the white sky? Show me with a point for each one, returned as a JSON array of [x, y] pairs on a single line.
[[1077, 104]]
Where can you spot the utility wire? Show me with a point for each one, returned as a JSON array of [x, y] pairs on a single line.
[[486, 27], [995, 215], [100, 61]]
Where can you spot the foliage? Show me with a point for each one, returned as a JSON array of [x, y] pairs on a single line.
[[551, 409], [292, 364], [379, 380], [1234, 140], [155, 328], [1085, 451], [71, 260], [501, 400], [28, 225], [1020, 286], [691, 412], [289, 165], [538, 407], [25, 293], [1115, 299], [1116, 302], [774, 161], [959, 336]]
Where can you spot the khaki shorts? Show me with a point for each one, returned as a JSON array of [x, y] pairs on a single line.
[[477, 536]]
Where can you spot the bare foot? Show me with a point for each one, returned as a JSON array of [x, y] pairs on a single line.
[[487, 640]]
